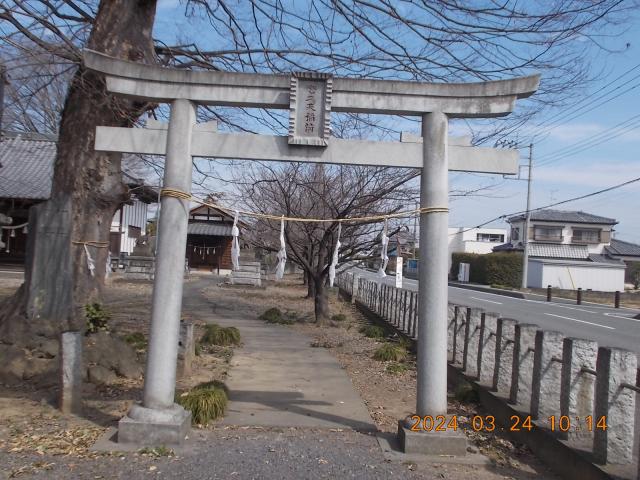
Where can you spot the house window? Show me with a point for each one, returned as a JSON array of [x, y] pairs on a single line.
[[515, 233], [585, 235], [134, 232], [490, 237], [548, 234]]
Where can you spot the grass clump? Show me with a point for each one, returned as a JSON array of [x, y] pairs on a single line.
[[274, 315], [214, 334], [390, 352], [97, 317], [160, 451], [373, 331], [396, 368], [339, 317], [206, 402], [465, 393], [137, 340]]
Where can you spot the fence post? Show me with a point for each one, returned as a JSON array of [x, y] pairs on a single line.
[[616, 402], [505, 334], [547, 374], [461, 322], [452, 315], [548, 293], [577, 382], [616, 299], [472, 342], [522, 368], [487, 347]]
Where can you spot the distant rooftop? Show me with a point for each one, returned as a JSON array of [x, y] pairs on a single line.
[[564, 217], [622, 248]]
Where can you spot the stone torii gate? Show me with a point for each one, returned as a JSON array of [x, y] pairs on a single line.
[[310, 97]]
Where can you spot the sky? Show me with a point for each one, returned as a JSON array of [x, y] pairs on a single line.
[[586, 146]]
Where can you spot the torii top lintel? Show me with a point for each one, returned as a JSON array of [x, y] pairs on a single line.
[[393, 97]]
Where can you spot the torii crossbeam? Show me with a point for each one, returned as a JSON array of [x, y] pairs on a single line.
[[310, 97]]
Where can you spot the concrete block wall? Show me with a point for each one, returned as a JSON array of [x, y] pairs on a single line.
[[584, 392]]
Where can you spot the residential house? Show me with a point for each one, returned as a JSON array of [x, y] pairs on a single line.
[[568, 250], [474, 240], [26, 172]]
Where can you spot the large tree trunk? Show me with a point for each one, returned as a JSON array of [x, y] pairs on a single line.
[[320, 300], [87, 188]]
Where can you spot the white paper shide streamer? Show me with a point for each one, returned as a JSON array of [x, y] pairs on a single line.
[[334, 260], [282, 253], [91, 264], [384, 258], [235, 246]]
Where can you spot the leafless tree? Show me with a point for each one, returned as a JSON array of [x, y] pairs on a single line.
[[323, 192]]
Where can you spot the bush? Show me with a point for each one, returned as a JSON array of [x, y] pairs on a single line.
[[137, 340], [390, 352], [97, 317], [396, 368], [214, 334], [339, 317], [274, 315], [373, 331], [490, 269], [632, 274], [206, 402]]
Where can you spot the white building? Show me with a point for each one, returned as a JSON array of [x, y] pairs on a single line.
[[474, 240]]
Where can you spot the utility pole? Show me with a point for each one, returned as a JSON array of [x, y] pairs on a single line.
[[525, 234]]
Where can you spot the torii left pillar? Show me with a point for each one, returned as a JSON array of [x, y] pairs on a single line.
[[159, 420]]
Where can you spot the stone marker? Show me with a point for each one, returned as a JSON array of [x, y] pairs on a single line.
[[186, 349], [578, 382], [616, 369], [547, 374], [522, 370], [505, 335], [71, 366]]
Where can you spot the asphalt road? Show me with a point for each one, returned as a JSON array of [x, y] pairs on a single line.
[[611, 327]]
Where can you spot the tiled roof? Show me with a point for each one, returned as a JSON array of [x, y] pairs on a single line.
[[553, 250], [564, 217], [26, 169], [212, 229], [604, 259], [619, 247]]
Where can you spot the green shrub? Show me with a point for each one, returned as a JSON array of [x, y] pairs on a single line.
[[373, 331], [390, 352], [498, 268], [396, 368], [137, 340], [160, 451], [97, 317], [632, 274], [466, 393], [339, 317], [206, 402], [214, 334]]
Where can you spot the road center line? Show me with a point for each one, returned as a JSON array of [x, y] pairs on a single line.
[[485, 300], [581, 321]]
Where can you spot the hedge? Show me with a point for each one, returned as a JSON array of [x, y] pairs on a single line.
[[490, 269]]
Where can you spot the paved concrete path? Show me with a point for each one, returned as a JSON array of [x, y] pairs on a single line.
[[278, 380]]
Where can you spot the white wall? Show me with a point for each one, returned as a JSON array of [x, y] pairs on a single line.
[[463, 240], [565, 275], [134, 215]]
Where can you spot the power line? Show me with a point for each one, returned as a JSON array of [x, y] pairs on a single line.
[[592, 194], [625, 127]]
